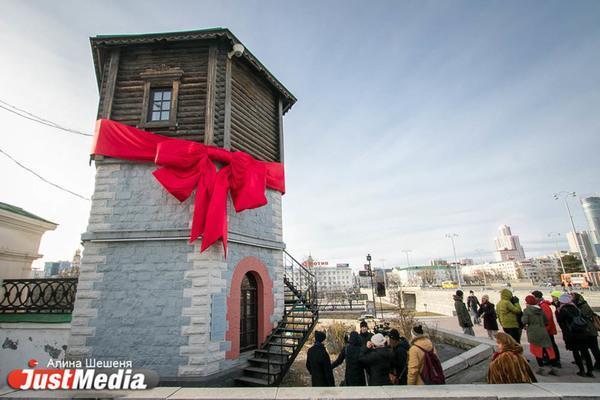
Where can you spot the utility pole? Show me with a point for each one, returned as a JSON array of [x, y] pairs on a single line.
[[556, 235], [370, 271], [565, 195], [451, 236]]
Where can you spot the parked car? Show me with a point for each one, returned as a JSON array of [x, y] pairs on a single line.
[[449, 285]]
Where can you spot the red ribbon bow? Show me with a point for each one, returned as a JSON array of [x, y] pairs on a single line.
[[186, 165]]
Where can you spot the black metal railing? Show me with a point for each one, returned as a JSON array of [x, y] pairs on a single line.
[[301, 286], [301, 281], [38, 295]]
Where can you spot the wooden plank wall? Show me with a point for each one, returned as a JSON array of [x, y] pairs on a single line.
[[247, 109], [254, 113], [192, 57]]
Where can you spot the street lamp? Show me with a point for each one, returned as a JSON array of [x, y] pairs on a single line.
[[565, 195], [451, 236], [370, 271], [556, 235], [407, 259]]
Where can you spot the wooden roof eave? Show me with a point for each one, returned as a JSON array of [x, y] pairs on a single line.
[[103, 41]]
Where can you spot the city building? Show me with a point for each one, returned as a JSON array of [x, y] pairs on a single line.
[[331, 278], [537, 269], [54, 269], [494, 271], [508, 246], [422, 275], [540, 269], [581, 241], [591, 209], [438, 261], [63, 269], [20, 236]]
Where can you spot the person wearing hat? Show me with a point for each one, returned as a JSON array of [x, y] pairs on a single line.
[[419, 344], [550, 327], [535, 322], [365, 335], [354, 374], [508, 364], [398, 348], [589, 314], [464, 319], [508, 314], [574, 327], [488, 311], [378, 360], [318, 362]]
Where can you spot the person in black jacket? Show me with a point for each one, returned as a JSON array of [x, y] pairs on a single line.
[[400, 357], [318, 362], [365, 335], [488, 311], [355, 372], [592, 334], [473, 306], [378, 359], [575, 334]]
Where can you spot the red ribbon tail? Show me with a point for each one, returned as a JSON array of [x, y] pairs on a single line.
[[215, 227], [204, 190]]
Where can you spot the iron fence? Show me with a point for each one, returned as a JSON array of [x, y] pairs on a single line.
[[38, 295]]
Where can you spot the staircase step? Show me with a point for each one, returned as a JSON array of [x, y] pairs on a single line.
[[287, 337], [266, 361], [284, 345], [273, 353], [287, 321], [292, 330], [260, 370], [252, 381]]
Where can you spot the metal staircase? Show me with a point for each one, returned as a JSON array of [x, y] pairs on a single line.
[[275, 356]]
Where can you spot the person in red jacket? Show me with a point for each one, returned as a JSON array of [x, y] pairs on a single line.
[[551, 327]]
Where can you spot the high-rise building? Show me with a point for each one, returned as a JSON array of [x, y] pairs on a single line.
[[582, 245], [508, 246], [591, 209]]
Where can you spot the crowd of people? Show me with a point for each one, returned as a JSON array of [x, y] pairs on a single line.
[[375, 359], [577, 321]]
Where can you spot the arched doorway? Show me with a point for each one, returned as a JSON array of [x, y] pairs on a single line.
[[248, 313], [265, 304]]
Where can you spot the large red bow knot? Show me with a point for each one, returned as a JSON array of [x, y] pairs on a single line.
[[186, 165]]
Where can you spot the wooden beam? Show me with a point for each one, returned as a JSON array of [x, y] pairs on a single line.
[[211, 84], [227, 122], [280, 112], [111, 81]]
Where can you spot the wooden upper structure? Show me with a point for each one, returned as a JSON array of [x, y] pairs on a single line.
[[209, 94]]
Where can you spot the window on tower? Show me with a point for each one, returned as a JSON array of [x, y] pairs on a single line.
[[159, 107]]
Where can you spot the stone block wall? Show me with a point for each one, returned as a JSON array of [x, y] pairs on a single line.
[[145, 294]]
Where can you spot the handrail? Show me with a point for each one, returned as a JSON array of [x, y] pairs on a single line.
[[299, 264]]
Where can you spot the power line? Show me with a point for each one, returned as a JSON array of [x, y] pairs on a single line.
[[41, 177], [35, 118]]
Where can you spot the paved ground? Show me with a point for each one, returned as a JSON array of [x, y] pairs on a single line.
[[566, 374]]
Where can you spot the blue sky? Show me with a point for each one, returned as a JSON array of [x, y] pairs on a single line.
[[414, 118]]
